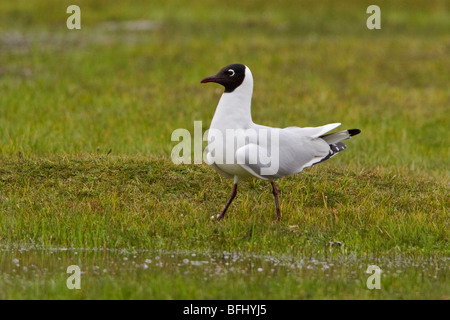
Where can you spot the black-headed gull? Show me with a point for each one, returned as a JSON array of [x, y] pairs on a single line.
[[238, 148]]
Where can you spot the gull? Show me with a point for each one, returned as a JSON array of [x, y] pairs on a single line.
[[239, 149]]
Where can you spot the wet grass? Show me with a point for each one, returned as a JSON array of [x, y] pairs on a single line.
[[85, 124], [123, 274]]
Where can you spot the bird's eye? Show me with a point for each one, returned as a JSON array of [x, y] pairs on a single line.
[[230, 72]]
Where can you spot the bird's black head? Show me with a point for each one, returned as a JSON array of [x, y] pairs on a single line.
[[230, 77]]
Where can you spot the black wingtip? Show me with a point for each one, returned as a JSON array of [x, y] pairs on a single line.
[[353, 132]]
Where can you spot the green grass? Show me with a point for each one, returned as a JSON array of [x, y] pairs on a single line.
[[101, 201], [86, 119]]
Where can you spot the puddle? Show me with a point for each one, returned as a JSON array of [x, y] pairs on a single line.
[[97, 262], [145, 274]]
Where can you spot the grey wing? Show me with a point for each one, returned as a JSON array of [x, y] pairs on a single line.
[[286, 154], [297, 153]]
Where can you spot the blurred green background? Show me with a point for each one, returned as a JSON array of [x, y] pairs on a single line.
[[131, 75]]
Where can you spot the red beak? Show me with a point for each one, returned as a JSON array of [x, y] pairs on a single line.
[[210, 79]]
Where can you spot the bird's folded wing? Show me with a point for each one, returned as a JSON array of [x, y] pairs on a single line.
[[248, 158], [289, 156]]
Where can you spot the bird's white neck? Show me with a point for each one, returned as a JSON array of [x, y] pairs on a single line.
[[234, 108]]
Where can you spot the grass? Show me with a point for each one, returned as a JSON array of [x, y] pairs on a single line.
[[101, 201], [85, 124]]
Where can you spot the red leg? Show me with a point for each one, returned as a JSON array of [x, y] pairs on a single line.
[[233, 195], [275, 194]]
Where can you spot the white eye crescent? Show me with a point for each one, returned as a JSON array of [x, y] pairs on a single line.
[[231, 72]]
